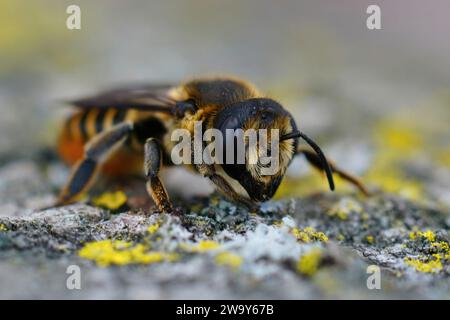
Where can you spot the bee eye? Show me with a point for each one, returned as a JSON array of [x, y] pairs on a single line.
[[231, 123]]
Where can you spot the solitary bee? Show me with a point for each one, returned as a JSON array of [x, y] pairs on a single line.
[[120, 131]]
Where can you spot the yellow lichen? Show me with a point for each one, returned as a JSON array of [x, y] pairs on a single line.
[[229, 259], [117, 252], [432, 262], [202, 246], [214, 201], [431, 266], [442, 245], [308, 264], [153, 228], [111, 200], [278, 223], [344, 207], [370, 239], [3, 227], [309, 234], [300, 235], [196, 208], [428, 235], [443, 250]]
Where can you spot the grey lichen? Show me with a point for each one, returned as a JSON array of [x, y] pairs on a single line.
[[314, 247]]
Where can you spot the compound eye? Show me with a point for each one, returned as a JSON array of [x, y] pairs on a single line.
[[228, 128], [231, 123], [230, 142]]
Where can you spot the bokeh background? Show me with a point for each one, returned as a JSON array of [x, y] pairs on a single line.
[[377, 100]]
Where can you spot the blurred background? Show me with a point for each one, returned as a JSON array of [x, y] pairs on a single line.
[[376, 100]]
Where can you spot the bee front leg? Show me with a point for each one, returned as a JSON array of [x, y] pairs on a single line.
[[312, 158], [97, 150], [152, 165]]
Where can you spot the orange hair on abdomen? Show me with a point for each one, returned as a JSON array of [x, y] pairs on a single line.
[[71, 149]]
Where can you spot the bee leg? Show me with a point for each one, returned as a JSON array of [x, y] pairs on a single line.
[[96, 152], [312, 158], [224, 187], [152, 165]]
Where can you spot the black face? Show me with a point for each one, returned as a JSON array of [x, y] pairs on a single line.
[[264, 112]]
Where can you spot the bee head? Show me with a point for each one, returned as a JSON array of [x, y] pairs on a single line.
[[258, 172]]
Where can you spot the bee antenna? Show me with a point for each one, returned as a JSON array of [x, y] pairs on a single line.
[[320, 154]]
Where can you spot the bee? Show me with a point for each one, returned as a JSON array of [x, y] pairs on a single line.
[[125, 130]]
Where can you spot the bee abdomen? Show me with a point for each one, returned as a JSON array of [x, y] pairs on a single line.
[[80, 127], [84, 125]]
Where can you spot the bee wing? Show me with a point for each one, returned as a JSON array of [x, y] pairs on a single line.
[[142, 97]]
